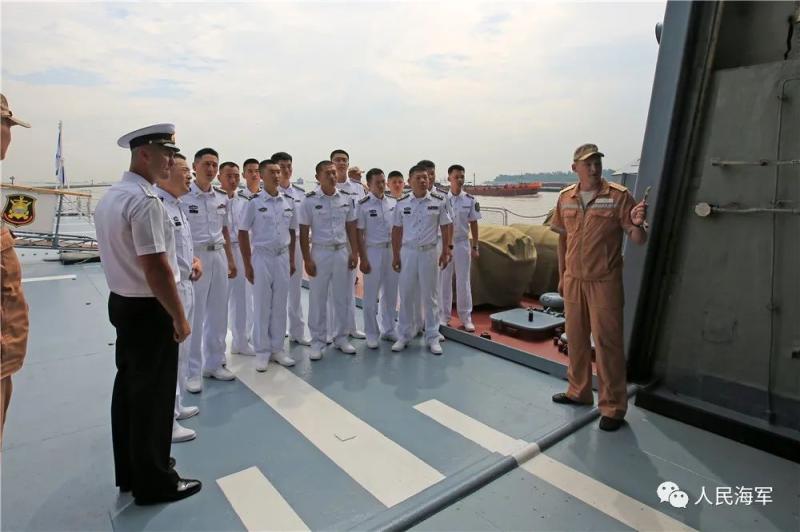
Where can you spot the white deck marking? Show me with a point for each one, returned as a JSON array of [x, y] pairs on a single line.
[[48, 278], [257, 503], [606, 499], [388, 471]]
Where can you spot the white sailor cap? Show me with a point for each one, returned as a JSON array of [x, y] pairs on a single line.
[[163, 134]]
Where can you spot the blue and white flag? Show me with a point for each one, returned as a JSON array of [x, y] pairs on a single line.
[[60, 174]]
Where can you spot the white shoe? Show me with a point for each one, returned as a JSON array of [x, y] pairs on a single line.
[[390, 337], [221, 374], [440, 338], [358, 335], [185, 412], [329, 341], [399, 345], [194, 384], [435, 348], [283, 359], [246, 350], [372, 344], [345, 347], [469, 326], [262, 362], [315, 353], [180, 433], [300, 341]]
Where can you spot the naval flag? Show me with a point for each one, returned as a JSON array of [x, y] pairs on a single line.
[[62, 178]]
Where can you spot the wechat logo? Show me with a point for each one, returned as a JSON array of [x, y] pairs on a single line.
[[671, 493]]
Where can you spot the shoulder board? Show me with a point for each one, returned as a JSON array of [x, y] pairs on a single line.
[[404, 196], [470, 196], [298, 187], [565, 189], [437, 196], [345, 192], [617, 186], [363, 200], [311, 193], [217, 189], [242, 194], [147, 191]]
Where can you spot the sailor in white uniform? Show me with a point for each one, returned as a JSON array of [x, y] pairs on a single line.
[[418, 217], [329, 215], [465, 211], [271, 219], [206, 208], [240, 299], [135, 238], [347, 180], [297, 325], [375, 219], [190, 268]]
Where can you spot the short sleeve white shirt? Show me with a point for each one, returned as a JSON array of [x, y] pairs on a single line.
[[326, 216], [208, 213], [184, 249], [269, 220], [131, 222], [375, 218], [464, 208], [421, 218]]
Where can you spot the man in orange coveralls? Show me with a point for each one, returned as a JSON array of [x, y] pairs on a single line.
[[591, 218], [13, 308]]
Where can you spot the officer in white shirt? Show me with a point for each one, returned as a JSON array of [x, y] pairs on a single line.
[[270, 221], [190, 268], [351, 185], [297, 325], [329, 215], [465, 211], [206, 207], [135, 237], [375, 218], [418, 218], [240, 298]]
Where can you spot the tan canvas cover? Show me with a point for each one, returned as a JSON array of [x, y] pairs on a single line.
[[545, 276], [503, 271]]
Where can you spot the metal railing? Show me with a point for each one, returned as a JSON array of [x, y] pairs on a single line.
[[505, 213]]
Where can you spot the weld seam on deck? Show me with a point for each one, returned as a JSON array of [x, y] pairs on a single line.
[[452, 489]]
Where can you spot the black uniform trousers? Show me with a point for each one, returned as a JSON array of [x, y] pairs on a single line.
[[143, 401]]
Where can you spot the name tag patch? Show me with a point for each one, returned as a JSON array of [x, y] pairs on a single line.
[[407, 210], [193, 209], [317, 207], [262, 209], [433, 207]]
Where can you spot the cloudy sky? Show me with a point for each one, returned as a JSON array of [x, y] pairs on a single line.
[[498, 87]]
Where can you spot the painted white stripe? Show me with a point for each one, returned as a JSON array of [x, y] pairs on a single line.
[[257, 503], [606, 499], [49, 278], [385, 469]]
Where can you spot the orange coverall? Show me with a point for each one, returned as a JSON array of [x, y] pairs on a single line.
[[592, 286]]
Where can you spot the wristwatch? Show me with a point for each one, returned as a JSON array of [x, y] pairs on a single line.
[[450, 246], [475, 248]]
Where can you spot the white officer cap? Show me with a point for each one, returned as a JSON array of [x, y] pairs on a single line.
[[163, 134]]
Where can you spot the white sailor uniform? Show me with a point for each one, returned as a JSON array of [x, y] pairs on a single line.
[[464, 208], [375, 219], [420, 219], [240, 297], [208, 213], [326, 217], [131, 222], [269, 220], [184, 254], [357, 192], [297, 325]]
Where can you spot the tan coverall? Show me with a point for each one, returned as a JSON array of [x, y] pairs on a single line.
[[592, 287], [13, 322]]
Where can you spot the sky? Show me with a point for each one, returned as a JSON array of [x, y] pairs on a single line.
[[499, 87]]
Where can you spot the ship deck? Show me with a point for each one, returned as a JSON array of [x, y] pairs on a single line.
[[353, 442]]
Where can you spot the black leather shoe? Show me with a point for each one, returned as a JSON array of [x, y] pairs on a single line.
[[564, 399], [610, 424], [186, 487]]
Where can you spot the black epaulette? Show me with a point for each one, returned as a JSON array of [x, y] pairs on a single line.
[[243, 194], [470, 196], [298, 187], [363, 200], [217, 189], [312, 193], [345, 192], [404, 196], [437, 196]]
